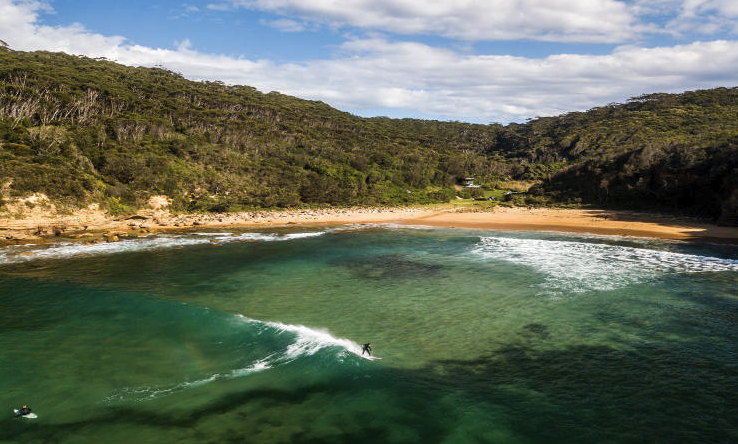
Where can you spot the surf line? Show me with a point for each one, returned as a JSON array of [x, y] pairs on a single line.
[[308, 340]]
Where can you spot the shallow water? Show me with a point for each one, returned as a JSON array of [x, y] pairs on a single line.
[[485, 336]]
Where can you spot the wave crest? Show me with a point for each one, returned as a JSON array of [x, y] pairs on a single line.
[[302, 342]]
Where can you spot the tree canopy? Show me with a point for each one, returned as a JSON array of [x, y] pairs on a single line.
[[87, 130]]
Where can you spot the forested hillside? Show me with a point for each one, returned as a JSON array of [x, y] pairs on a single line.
[[666, 152], [83, 130]]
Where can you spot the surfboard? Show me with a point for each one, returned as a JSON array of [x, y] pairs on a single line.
[[28, 416]]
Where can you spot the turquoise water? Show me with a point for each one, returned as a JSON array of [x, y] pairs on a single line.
[[484, 336]]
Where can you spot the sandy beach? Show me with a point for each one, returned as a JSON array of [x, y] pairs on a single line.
[[93, 225], [621, 223]]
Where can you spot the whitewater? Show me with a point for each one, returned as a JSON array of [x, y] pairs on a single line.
[[484, 336]]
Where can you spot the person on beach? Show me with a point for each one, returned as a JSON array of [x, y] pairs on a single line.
[[23, 411], [366, 348]]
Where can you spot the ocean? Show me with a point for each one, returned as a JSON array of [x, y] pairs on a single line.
[[481, 336]]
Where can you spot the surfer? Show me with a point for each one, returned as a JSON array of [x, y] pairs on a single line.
[[366, 348], [23, 411]]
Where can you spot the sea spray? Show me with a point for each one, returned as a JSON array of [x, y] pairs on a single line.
[[308, 340]]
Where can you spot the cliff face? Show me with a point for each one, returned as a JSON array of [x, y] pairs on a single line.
[[85, 131]]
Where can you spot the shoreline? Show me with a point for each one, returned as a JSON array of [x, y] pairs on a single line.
[[94, 226], [592, 221]]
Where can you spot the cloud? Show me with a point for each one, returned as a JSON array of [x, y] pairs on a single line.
[[472, 20], [727, 8], [381, 74], [706, 17], [285, 25], [221, 7], [487, 88], [184, 10], [19, 28]]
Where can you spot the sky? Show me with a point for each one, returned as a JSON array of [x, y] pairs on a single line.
[[481, 61]]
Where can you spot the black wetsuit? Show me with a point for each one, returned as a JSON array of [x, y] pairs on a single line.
[[23, 412], [366, 348]]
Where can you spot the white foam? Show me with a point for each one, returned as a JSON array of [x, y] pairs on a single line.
[[307, 342], [25, 253], [71, 249], [258, 366], [213, 234], [149, 393], [303, 235], [575, 267]]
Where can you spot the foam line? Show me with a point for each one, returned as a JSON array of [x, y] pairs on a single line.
[[24, 253], [575, 267]]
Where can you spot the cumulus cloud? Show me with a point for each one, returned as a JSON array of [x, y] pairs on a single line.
[[707, 17], [379, 73], [472, 20], [488, 88], [19, 28]]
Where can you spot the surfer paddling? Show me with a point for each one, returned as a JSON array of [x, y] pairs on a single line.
[[23, 411], [366, 348]]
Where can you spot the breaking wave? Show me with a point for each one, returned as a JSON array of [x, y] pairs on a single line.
[[576, 267], [300, 342], [25, 253]]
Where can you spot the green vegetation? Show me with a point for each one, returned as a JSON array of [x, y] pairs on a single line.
[[82, 130], [674, 153]]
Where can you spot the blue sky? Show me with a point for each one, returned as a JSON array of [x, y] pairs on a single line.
[[469, 60], [163, 24]]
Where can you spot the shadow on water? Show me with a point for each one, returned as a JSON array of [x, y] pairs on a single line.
[[21, 311], [153, 271], [669, 391], [354, 427], [598, 394], [539, 330], [392, 266], [583, 394], [666, 391]]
